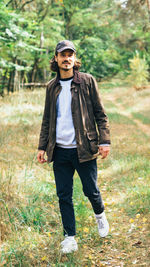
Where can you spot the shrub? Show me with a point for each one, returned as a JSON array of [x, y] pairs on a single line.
[[138, 76]]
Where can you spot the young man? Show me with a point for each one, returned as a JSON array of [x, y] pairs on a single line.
[[74, 132]]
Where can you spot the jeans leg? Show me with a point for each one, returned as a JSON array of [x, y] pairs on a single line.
[[88, 175], [63, 171]]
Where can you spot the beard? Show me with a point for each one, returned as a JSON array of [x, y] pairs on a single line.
[[65, 69]]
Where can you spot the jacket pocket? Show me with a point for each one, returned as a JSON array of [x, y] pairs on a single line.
[[93, 141]]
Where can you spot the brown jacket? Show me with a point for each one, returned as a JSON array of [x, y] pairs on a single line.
[[89, 118]]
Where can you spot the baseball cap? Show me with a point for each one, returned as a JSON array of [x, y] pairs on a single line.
[[65, 44]]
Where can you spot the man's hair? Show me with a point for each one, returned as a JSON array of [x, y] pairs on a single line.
[[54, 66]]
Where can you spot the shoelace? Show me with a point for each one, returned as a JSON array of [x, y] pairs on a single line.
[[100, 223], [66, 240]]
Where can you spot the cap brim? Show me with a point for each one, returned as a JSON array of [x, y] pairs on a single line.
[[65, 48]]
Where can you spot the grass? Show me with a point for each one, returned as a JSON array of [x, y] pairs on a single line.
[[119, 118], [143, 117], [30, 223]]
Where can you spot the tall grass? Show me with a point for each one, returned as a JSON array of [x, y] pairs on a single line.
[[30, 222]]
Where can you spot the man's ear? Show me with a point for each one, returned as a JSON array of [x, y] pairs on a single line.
[[55, 58]]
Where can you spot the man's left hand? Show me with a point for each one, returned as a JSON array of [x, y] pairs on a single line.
[[104, 151]]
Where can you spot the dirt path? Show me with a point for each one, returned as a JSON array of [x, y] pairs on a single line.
[[122, 110]]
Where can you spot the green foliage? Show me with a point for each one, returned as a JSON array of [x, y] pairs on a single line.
[[14, 41], [98, 60], [138, 76], [106, 34]]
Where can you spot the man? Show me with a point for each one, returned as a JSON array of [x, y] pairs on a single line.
[[74, 132]]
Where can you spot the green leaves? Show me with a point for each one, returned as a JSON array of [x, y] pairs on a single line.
[[138, 76], [106, 35]]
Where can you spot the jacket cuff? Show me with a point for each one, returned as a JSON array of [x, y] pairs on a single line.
[[104, 144], [42, 148]]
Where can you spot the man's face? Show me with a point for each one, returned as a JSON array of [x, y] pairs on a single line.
[[65, 59]]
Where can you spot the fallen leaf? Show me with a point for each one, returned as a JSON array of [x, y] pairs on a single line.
[[44, 258], [137, 243], [84, 246], [49, 234], [144, 220], [85, 230]]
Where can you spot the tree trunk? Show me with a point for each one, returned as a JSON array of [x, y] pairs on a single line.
[[16, 80], [34, 70], [3, 84], [10, 82], [148, 8]]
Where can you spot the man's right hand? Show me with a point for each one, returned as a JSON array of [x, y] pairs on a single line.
[[40, 156]]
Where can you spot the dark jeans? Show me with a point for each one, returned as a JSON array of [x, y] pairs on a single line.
[[65, 163]]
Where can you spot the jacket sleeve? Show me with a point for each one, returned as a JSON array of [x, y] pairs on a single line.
[[43, 140], [99, 113]]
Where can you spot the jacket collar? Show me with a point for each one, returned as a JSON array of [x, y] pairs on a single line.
[[76, 78]]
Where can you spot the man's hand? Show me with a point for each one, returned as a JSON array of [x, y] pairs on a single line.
[[104, 151], [40, 156]]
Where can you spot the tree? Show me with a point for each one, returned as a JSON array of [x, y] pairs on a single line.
[[106, 34]]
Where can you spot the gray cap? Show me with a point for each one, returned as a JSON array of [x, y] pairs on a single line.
[[63, 45]]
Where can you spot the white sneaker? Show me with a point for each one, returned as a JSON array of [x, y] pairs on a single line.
[[103, 225], [69, 245]]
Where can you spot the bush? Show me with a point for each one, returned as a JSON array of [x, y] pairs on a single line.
[[138, 76]]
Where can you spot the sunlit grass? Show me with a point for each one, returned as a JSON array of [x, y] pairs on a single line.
[[144, 118], [30, 222], [119, 118]]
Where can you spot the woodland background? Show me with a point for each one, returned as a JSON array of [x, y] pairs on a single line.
[[113, 42], [107, 35]]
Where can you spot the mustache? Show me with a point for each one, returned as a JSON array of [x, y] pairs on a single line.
[[66, 61]]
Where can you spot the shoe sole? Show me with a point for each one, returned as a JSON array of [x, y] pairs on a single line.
[[106, 233], [66, 252]]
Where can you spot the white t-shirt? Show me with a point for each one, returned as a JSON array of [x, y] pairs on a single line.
[[65, 132]]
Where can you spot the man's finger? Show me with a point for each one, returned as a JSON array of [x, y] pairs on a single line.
[[40, 157], [104, 154]]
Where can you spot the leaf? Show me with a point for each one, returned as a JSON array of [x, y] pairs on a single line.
[[49, 234], [44, 258], [90, 257], [86, 230], [137, 243], [144, 220], [138, 215], [9, 33]]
